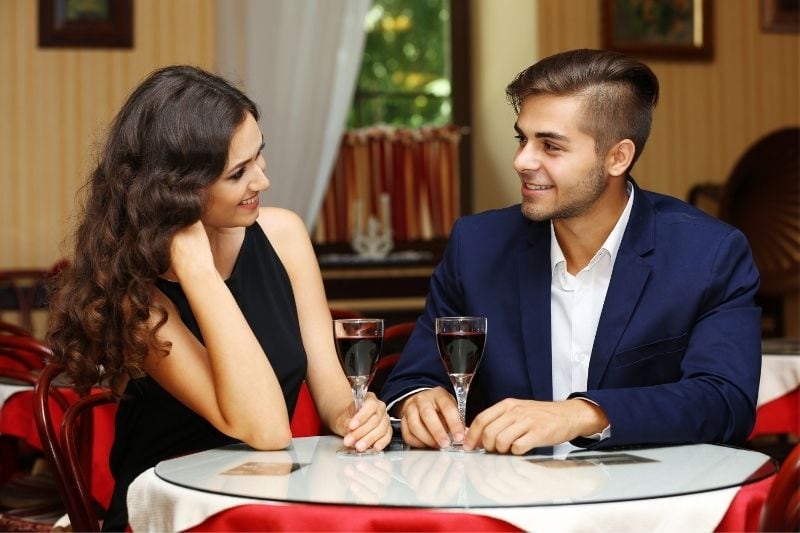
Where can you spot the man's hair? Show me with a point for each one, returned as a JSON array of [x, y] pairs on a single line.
[[618, 92]]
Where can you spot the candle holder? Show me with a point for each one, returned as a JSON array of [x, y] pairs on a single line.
[[377, 242]]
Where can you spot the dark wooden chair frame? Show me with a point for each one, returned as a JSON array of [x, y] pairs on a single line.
[[64, 449]]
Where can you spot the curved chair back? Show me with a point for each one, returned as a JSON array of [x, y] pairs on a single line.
[[25, 350], [63, 448], [7, 328], [761, 199], [344, 313], [394, 340], [24, 290], [781, 510]]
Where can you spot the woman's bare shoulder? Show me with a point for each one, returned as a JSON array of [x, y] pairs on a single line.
[[282, 225]]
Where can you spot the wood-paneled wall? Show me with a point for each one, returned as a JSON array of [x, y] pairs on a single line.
[[55, 105], [709, 112]]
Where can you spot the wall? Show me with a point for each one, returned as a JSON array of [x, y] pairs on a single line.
[[55, 104], [709, 112], [503, 43]]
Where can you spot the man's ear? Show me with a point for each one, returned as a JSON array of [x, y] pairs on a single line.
[[619, 157]]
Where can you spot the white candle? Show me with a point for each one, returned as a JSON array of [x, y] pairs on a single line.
[[357, 229], [386, 212]]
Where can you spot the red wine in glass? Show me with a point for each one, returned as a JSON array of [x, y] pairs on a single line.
[[461, 351], [460, 341], [359, 355], [358, 344]]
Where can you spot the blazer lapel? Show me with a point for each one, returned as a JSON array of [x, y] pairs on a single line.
[[625, 288], [534, 275]]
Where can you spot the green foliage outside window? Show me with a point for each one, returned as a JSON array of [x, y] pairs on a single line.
[[405, 72]]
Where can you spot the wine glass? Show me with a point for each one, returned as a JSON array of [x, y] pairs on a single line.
[[358, 343], [460, 340]]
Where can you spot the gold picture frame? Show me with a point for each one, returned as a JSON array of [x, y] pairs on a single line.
[[667, 29], [780, 16], [86, 23]]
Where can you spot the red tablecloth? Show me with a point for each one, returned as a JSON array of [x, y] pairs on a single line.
[[779, 416], [345, 518], [742, 515], [16, 419]]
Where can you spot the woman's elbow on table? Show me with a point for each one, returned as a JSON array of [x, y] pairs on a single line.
[[266, 440]]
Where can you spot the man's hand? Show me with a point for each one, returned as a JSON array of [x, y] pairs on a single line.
[[428, 416], [516, 426]]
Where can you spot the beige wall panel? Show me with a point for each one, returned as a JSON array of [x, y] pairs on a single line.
[[503, 43], [56, 104], [709, 112]]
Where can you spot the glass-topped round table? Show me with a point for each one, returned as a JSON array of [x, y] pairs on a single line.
[[310, 471]]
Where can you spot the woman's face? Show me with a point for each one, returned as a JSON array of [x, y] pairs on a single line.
[[232, 200]]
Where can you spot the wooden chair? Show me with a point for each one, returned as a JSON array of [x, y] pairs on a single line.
[[23, 291], [394, 340], [344, 313], [65, 448], [37, 507], [26, 352], [781, 510], [762, 198], [7, 328]]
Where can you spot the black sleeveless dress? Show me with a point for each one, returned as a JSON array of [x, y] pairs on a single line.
[[151, 425]]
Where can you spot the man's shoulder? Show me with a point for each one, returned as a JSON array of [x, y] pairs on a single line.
[[671, 211], [493, 219]]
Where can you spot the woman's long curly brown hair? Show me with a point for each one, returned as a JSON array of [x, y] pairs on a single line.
[[167, 144]]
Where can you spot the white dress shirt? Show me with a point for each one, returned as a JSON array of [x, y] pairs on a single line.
[[575, 306]]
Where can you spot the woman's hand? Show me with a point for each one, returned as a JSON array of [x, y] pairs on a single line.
[[369, 427], [190, 251]]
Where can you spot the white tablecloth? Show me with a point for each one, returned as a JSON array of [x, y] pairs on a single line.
[[8, 390], [155, 505], [780, 374]]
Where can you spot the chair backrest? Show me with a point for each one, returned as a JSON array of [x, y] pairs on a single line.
[[7, 328], [27, 352], [760, 198], [63, 448], [344, 313], [24, 290], [781, 510], [394, 340]]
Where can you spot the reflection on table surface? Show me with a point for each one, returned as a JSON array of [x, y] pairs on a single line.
[[310, 471]]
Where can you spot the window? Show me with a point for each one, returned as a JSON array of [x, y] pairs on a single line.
[[405, 77], [403, 163]]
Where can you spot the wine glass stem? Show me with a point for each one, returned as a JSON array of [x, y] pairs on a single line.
[[359, 391], [461, 399]]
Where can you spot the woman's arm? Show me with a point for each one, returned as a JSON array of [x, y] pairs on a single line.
[[326, 380], [229, 381]]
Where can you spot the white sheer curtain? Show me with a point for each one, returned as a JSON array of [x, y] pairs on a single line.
[[298, 60]]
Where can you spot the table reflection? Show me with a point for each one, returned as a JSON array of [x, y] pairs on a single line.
[[312, 472]]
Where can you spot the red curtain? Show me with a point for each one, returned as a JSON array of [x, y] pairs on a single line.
[[413, 171]]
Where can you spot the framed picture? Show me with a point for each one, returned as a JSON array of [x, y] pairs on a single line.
[[86, 23], [780, 16], [667, 29]]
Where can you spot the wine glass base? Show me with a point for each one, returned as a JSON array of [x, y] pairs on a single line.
[[459, 448], [352, 452]]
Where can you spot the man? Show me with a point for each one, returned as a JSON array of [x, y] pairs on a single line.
[[616, 316]]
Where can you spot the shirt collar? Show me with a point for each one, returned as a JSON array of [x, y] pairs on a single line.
[[612, 243]]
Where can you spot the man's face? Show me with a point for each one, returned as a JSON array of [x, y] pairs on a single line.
[[561, 175]]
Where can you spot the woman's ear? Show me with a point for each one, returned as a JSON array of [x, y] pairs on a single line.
[[619, 157]]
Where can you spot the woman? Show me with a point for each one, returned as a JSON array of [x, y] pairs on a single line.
[[205, 309]]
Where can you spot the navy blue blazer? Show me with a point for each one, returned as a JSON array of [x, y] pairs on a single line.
[[677, 354]]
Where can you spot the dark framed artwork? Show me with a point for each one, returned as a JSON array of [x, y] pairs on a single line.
[[780, 16], [86, 23], [667, 29]]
